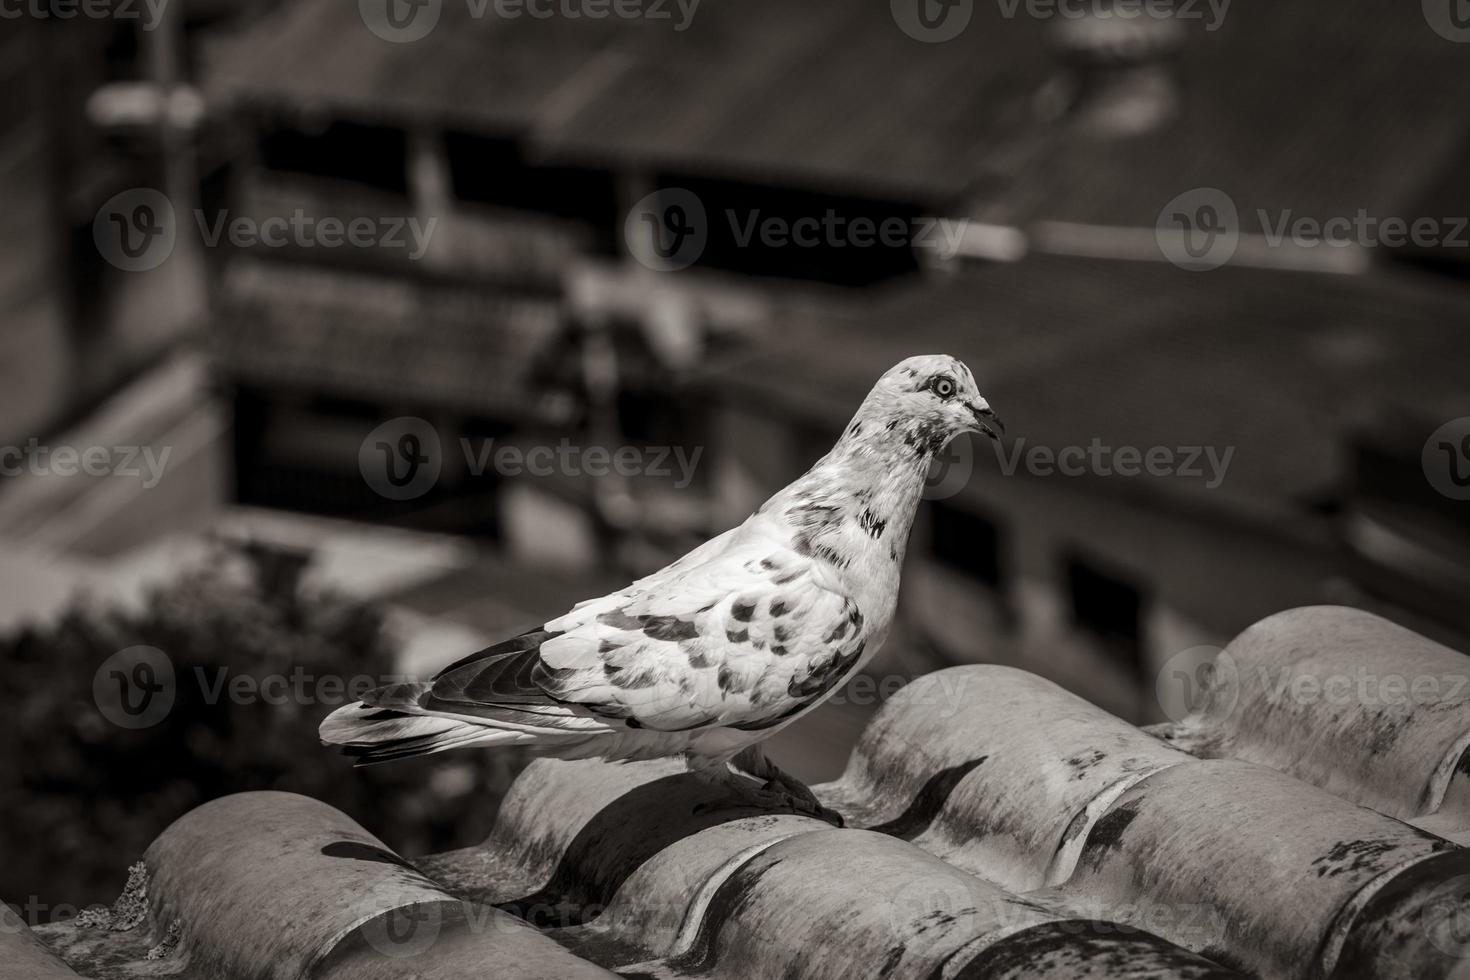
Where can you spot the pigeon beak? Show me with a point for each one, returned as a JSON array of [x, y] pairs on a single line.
[[985, 418]]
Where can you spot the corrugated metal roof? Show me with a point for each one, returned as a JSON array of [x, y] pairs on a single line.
[[998, 826]]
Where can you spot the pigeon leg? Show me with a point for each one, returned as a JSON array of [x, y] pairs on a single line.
[[786, 788]]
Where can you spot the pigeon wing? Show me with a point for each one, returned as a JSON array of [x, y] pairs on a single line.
[[744, 638]]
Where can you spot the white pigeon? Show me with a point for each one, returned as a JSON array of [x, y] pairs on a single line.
[[723, 648]]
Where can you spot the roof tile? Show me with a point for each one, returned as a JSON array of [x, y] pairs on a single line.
[[1347, 701], [998, 826]]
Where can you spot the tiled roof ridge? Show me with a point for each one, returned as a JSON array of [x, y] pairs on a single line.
[[999, 826]]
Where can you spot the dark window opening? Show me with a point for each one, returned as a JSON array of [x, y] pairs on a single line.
[[798, 234], [277, 465], [375, 156], [1111, 609], [966, 542], [496, 172]]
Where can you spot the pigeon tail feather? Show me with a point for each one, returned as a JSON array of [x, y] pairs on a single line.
[[388, 724]]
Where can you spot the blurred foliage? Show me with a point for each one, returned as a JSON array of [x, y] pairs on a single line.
[[82, 798]]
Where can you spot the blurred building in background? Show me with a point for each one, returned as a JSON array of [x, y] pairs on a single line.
[[1031, 161]]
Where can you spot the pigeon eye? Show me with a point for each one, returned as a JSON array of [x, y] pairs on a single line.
[[943, 387]]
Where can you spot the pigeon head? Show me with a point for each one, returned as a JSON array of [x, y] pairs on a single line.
[[928, 400]]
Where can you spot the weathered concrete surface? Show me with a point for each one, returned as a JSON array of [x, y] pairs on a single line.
[[1347, 701]]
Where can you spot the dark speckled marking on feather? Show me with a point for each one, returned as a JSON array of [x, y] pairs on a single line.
[[629, 678], [814, 513], [782, 634], [698, 654], [831, 556], [925, 437], [726, 679], [870, 523], [818, 682], [810, 688], [743, 611], [619, 620], [738, 636], [670, 628], [779, 608]]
